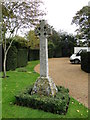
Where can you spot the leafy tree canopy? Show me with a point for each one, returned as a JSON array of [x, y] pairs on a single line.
[[59, 38], [33, 40], [20, 41], [82, 20], [20, 14]]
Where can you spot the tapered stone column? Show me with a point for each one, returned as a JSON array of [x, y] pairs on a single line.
[[44, 84]]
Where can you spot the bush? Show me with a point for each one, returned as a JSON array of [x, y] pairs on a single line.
[[22, 69], [1, 58], [17, 55], [85, 61], [33, 54], [20, 42], [22, 57], [57, 104], [58, 52], [12, 58], [51, 50]]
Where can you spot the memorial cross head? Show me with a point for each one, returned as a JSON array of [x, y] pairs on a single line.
[[44, 29]]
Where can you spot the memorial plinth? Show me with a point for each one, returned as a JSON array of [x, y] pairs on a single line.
[[44, 85]]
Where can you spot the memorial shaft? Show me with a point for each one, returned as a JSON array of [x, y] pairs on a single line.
[[43, 57]]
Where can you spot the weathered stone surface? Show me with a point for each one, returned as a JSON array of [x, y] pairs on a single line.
[[43, 31], [44, 86]]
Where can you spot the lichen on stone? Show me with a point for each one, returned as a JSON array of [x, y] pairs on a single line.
[[44, 86]]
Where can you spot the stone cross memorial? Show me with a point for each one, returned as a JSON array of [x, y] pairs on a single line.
[[44, 84], [43, 31]]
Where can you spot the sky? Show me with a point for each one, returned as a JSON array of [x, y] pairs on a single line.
[[60, 13]]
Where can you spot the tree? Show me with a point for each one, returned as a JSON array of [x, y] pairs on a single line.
[[51, 48], [18, 15], [68, 42], [82, 20], [63, 43], [33, 40], [20, 42]]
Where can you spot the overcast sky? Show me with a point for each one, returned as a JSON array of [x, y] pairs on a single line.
[[61, 12]]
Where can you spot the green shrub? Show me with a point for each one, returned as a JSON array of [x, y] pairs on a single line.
[[85, 61], [50, 49], [16, 58], [57, 104], [20, 42], [12, 58], [22, 57], [22, 69], [1, 58], [17, 55], [33, 54], [58, 52]]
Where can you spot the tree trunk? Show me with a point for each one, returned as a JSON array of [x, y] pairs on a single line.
[[4, 65], [5, 57]]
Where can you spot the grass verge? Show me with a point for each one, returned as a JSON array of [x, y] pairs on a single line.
[[17, 81]]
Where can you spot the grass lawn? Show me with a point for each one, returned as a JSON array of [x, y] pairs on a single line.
[[20, 80]]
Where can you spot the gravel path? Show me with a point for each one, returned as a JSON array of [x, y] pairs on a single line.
[[70, 76]]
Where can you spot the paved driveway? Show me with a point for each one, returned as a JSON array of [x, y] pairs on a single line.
[[70, 76]]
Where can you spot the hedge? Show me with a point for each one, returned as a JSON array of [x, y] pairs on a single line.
[[33, 54], [15, 58], [17, 55], [51, 48], [58, 104], [85, 61], [58, 52], [11, 58], [1, 58], [22, 57]]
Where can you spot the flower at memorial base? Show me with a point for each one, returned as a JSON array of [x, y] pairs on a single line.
[[72, 102], [87, 111], [29, 72], [77, 110], [5, 88], [10, 103]]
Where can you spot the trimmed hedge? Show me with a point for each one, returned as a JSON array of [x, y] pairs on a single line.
[[22, 57], [51, 50], [16, 58], [33, 54], [17, 55], [58, 104], [58, 52], [1, 58], [12, 58], [85, 61]]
